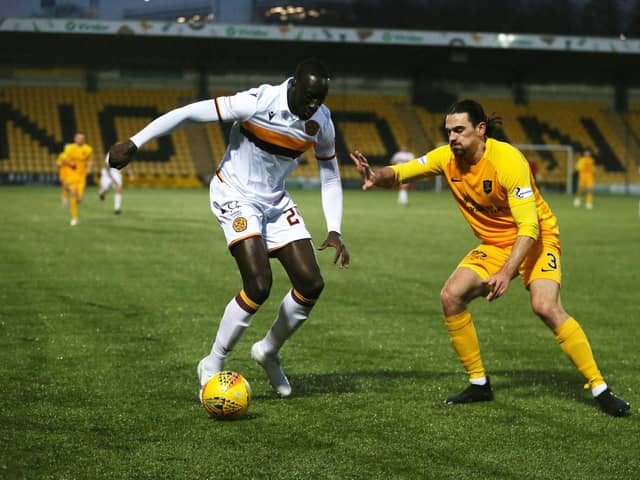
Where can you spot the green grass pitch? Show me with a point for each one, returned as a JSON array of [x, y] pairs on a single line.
[[102, 325]]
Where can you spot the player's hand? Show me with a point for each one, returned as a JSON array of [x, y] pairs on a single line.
[[497, 285], [334, 240], [362, 164], [121, 154]]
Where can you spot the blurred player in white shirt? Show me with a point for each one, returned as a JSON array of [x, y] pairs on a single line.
[[402, 156], [112, 178], [273, 126]]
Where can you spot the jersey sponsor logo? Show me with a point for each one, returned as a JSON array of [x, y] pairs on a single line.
[[487, 186], [240, 224], [311, 127], [456, 180], [523, 192]]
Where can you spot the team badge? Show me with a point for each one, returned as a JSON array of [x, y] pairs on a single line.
[[240, 224], [311, 127], [487, 186]]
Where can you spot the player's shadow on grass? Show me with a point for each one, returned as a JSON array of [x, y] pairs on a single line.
[[516, 384]]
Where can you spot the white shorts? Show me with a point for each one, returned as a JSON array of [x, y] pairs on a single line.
[[241, 217], [110, 177]]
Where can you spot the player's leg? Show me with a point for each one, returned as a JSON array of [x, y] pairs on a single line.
[[299, 261], [403, 195], [117, 199], [464, 285], [580, 193], [253, 262], [105, 184], [459, 290], [288, 240], [541, 272], [241, 222], [589, 197], [73, 201]]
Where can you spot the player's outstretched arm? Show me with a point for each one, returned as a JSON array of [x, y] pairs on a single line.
[[384, 178], [122, 153]]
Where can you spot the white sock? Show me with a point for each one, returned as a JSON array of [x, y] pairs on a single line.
[[595, 391], [478, 381], [403, 197], [234, 322], [291, 315], [117, 201]]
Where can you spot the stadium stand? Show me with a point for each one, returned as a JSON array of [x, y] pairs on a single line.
[[36, 121]]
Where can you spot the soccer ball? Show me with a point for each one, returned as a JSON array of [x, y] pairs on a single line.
[[226, 395]]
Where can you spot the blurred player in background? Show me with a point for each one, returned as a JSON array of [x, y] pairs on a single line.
[[585, 166], [273, 126], [403, 155], [112, 178], [496, 193], [75, 164], [63, 174]]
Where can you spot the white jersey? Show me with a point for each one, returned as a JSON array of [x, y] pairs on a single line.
[[401, 157], [267, 140]]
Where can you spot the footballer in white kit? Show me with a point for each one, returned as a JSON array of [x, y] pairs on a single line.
[[273, 126], [111, 178]]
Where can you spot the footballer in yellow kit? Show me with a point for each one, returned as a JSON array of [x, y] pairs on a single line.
[[586, 167], [494, 188], [75, 164]]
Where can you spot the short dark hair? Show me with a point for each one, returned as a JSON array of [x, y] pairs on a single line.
[[476, 115], [312, 66]]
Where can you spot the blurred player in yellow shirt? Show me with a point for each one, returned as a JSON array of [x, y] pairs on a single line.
[[585, 166], [494, 189], [63, 174], [75, 164]]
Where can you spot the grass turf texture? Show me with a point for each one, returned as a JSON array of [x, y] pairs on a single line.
[[102, 325]]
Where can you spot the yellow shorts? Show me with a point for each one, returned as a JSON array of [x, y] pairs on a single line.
[[585, 182], [543, 261], [77, 183]]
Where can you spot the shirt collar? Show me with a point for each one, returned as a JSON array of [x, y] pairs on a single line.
[[283, 105]]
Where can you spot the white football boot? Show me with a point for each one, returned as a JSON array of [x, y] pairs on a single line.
[[271, 365], [205, 374]]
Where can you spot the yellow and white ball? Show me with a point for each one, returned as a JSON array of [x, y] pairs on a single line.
[[226, 395]]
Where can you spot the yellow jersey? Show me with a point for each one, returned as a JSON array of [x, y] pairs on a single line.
[[586, 167], [497, 196], [80, 155]]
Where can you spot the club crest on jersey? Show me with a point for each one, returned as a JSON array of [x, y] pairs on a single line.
[[311, 127], [487, 186], [240, 224]]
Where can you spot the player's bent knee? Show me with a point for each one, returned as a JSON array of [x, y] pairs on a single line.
[[258, 288], [311, 287]]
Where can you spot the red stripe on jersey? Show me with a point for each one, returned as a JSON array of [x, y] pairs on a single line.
[[218, 109]]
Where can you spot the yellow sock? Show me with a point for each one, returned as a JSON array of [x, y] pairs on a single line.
[[589, 198], [465, 342], [65, 194], [73, 204], [575, 345]]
